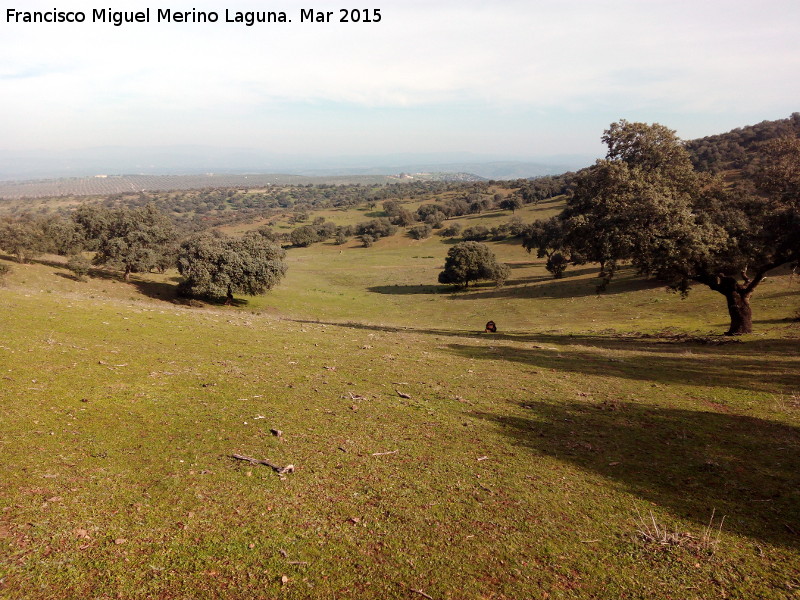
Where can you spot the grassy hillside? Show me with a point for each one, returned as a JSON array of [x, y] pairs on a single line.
[[590, 449]]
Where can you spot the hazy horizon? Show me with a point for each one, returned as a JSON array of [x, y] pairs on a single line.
[[119, 160], [512, 80]]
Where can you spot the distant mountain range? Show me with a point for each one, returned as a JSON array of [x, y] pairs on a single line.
[[193, 160]]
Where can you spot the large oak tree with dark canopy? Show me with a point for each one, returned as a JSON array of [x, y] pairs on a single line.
[[216, 265], [645, 203], [472, 261]]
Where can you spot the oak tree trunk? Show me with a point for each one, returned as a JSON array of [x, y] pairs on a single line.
[[737, 296], [739, 309]]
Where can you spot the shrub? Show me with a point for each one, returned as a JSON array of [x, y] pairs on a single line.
[[478, 233], [79, 266], [377, 228], [435, 219], [451, 230], [403, 218], [304, 236], [420, 232]]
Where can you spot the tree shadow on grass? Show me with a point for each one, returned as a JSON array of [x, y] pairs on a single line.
[[572, 284], [689, 462], [785, 294], [545, 206], [511, 240], [451, 241], [170, 292], [456, 292], [392, 328], [157, 290], [404, 290], [760, 365], [777, 321], [675, 345], [166, 291], [748, 368], [512, 287], [72, 277], [485, 215], [36, 260], [54, 263]]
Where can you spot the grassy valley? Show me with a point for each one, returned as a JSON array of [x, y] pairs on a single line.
[[606, 442], [589, 449]]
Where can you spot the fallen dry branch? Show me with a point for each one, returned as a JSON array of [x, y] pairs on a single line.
[[255, 461], [385, 453]]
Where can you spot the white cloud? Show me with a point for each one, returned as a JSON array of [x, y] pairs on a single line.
[[160, 83]]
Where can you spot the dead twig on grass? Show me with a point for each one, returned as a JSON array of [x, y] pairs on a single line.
[[279, 470], [410, 589], [385, 453]]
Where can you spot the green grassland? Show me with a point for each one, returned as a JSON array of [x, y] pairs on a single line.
[[589, 449]]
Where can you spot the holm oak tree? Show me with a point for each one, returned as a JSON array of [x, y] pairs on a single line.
[[217, 265], [645, 203]]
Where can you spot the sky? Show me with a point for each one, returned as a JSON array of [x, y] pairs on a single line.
[[511, 79]]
